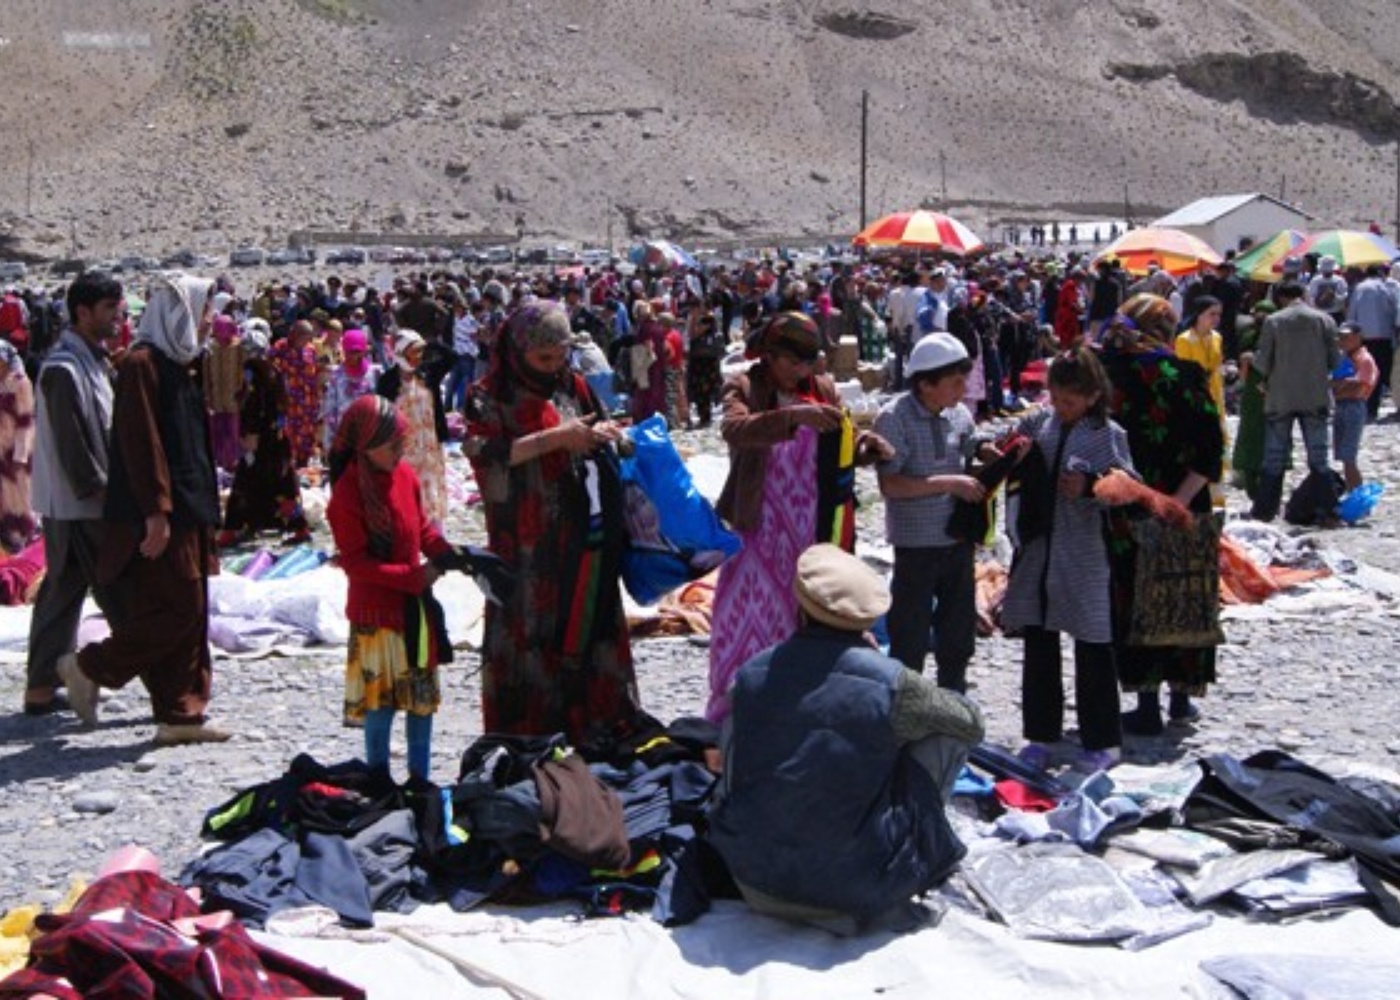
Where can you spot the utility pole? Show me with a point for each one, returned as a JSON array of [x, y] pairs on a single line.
[[943, 180], [1127, 208], [1283, 188], [864, 140], [1397, 190], [29, 183]]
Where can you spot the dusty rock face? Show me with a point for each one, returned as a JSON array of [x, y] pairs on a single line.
[[1281, 87], [866, 24], [130, 125]]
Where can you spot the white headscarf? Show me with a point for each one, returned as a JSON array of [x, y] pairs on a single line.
[[256, 334], [174, 308], [405, 340]]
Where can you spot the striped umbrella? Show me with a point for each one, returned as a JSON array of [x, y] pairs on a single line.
[[920, 230], [1258, 262], [660, 255], [1350, 247], [1174, 251]]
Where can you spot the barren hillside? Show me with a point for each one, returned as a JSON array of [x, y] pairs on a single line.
[[144, 125]]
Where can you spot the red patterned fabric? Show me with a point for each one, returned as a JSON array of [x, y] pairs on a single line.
[[133, 936]]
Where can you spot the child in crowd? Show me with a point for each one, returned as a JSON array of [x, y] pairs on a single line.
[[397, 638], [1060, 577], [1353, 381], [933, 436]]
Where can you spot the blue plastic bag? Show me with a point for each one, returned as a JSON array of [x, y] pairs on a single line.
[[1358, 503], [673, 534]]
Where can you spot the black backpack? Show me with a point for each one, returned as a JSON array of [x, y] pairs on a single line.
[[1315, 499]]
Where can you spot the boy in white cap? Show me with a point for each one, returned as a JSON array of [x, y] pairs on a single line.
[[933, 436]]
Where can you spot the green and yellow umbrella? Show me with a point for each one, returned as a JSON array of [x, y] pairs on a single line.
[[1257, 263]]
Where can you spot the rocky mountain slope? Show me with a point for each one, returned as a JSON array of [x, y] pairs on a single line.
[[143, 125]]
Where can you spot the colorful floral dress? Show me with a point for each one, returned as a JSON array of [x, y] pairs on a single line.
[[557, 657], [422, 451], [16, 445], [342, 389], [301, 379]]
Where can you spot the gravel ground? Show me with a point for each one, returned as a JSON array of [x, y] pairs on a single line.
[[1321, 686]]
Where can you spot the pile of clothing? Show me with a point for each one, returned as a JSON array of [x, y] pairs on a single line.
[[528, 820]]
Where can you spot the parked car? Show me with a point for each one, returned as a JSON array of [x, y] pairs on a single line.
[[13, 270], [594, 257], [348, 255], [68, 266], [247, 257], [500, 255]]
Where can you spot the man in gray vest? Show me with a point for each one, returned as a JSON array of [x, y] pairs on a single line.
[[73, 416], [838, 762]]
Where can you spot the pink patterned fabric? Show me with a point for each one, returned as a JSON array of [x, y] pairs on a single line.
[[755, 606]]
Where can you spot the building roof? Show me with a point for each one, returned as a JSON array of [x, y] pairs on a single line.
[[1205, 211]]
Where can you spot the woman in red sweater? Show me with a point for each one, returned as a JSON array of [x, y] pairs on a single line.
[[397, 637]]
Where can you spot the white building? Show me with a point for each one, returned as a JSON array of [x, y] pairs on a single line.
[[1227, 220]]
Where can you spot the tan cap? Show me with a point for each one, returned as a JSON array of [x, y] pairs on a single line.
[[838, 589]]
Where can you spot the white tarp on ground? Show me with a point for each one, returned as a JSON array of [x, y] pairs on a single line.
[[733, 954], [297, 616]]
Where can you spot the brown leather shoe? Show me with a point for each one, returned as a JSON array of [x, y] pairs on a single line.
[[173, 734], [82, 689]]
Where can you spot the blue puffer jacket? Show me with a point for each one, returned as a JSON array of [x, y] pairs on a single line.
[[820, 806]]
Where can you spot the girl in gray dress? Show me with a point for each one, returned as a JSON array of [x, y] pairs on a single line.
[[1060, 577]]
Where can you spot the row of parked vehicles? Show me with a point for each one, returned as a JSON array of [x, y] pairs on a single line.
[[256, 256]]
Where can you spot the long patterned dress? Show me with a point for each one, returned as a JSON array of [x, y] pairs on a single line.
[[556, 658], [16, 444], [265, 492], [423, 452], [223, 380], [301, 379], [755, 605], [1173, 429], [342, 389]]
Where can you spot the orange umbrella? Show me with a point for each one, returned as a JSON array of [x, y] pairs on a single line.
[[1174, 251], [920, 230]]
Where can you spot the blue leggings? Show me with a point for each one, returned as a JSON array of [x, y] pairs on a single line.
[[378, 724]]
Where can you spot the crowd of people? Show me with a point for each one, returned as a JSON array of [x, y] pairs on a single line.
[[113, 460]]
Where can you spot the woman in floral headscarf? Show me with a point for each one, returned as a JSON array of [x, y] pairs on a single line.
[[556, 656], [793, 452], [1175, 436], [16, 446]]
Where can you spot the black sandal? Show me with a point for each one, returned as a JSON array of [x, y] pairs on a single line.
[[58, 703]]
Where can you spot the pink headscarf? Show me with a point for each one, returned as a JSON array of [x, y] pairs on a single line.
[[225, 329], [355, 340]]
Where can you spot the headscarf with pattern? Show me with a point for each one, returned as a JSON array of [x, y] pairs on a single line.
[[370, 422], [1154, 318]]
